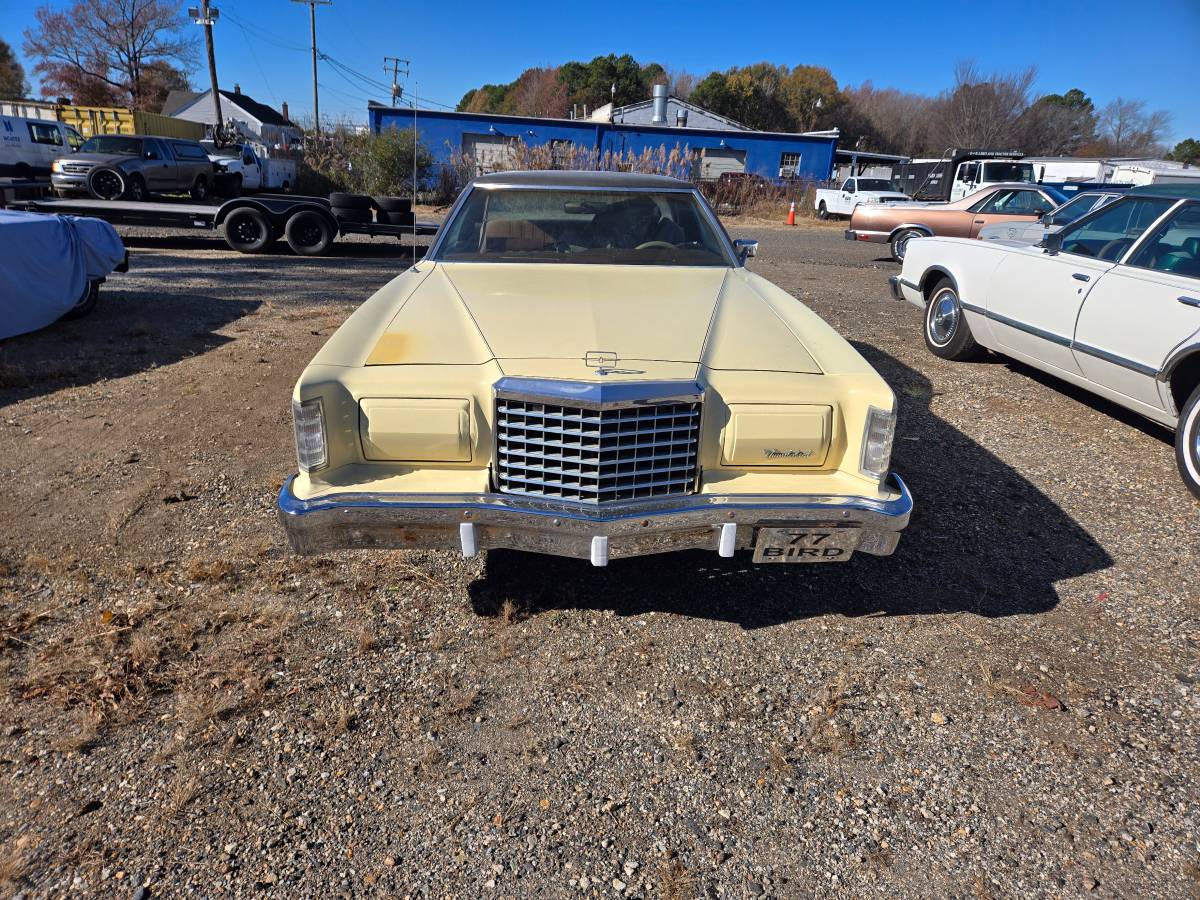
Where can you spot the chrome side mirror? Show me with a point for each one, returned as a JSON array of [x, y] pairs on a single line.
[[745, 249]]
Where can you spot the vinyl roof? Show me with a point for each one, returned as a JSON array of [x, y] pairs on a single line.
[[569, 179]]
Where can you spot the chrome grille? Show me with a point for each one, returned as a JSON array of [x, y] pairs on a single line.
[[77, 168], [596, 455]]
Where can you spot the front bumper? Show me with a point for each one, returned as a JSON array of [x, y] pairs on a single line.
[[68, 181], [873, 237], [473, 522]]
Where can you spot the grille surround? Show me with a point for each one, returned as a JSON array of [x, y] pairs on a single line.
[[596, 444]]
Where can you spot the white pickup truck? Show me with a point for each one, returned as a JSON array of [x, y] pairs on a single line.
[[243, 169], [841, 201]]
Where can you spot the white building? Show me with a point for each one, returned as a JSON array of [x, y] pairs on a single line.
[[257, 122]]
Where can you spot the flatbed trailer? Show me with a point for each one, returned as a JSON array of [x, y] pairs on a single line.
[[248, 224]]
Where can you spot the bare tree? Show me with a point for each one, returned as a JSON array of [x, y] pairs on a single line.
[[895, 122], [681, 82], [1126, 128], [110, 41], [983, 111]]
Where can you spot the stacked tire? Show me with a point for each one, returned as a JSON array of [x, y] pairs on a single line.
[[352, 207], [394, 210]]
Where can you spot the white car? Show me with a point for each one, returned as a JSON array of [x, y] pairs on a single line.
[[842, 200], [1110, 303], [1033, 232]]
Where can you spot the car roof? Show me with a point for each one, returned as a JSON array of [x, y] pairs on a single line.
[[1171, 191], [580, 179]]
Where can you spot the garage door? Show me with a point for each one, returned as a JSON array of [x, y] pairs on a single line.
[[491, 152], [716, 160]]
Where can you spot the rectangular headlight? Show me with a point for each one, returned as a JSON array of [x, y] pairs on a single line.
[[308, 420], [877, 442]]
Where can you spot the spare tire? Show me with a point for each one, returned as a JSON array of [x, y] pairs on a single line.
[[309, 233], [394, 204], [351, 201], [396, 218], [106, 183], [346, 214], [248, 231]]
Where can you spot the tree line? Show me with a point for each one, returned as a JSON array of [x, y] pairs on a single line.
[[1000, 110], [127, 53]]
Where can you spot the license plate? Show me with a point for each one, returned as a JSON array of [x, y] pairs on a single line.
[[805, 545]]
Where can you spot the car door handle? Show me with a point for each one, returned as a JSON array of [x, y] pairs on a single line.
[[1189, 301], [980, 221], [1079, 276]]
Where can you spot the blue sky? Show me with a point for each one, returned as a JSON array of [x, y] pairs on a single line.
[[1145, 51]]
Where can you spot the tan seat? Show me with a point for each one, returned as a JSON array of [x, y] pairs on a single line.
[[509, 235]]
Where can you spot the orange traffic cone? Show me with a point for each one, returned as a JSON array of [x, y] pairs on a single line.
[[792, 214]]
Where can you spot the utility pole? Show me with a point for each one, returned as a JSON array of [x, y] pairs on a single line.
[[395, 69], [312, 24], [206, 16]]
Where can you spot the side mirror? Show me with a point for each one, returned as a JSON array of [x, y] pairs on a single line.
[[745, 249], [1052, 243]]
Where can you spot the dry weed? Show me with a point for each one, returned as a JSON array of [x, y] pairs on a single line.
[[367, 641], [82, 736], [674, 882]]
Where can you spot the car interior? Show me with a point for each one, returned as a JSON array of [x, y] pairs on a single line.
[[600, 228]]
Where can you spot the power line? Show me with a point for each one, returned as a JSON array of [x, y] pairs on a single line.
[[263, 36]]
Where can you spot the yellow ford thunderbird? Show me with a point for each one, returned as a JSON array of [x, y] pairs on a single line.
[[583, 365]]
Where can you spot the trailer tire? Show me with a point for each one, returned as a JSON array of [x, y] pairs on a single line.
[[396, 218], [351, 201], [248, 231], [106, 183], [347, 214], [394, 204], [308, 233]]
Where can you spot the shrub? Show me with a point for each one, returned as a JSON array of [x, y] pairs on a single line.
[[343, 159]]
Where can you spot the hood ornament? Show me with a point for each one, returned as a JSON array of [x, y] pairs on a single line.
[[603, 361]]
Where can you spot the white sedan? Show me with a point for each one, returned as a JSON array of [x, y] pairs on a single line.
[[1110, 303], [1055, 220]]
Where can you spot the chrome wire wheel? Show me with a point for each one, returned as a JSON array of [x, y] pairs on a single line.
[[943, 317]]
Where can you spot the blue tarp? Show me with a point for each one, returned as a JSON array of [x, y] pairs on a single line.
[[46, 262]]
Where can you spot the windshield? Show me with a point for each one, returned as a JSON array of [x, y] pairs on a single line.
[[1073, 209], [114, 144], [994, 172], [874, 184], [230, 151], [581, 226]]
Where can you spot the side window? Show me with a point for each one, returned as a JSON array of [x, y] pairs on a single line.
[[45, 133], [1175, 245], [849, 188], [152, 150], [1110, 232], [999, 202], [74, 138], [968, 172], [185, 150]]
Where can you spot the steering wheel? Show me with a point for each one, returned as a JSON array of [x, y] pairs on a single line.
[[1117, 245], [655, 245]]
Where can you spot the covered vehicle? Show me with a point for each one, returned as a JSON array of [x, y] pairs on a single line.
[[52, 266], [583, 366]]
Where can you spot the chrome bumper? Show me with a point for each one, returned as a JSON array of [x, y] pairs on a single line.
[[874, 237], [894, 286], [473, 522]]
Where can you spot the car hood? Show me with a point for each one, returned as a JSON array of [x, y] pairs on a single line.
[[543, 320], [885, 195]]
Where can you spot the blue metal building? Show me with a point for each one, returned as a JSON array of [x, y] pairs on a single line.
[[488, 138]]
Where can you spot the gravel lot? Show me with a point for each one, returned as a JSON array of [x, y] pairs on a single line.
[[1008, 707]]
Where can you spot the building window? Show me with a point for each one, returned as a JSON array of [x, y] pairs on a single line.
[[788, 164]]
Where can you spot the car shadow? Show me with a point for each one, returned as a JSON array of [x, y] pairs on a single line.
[[1102, 405], [128, 332], [982, 540]]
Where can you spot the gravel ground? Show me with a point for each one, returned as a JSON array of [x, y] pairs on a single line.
[[1005, 708]]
